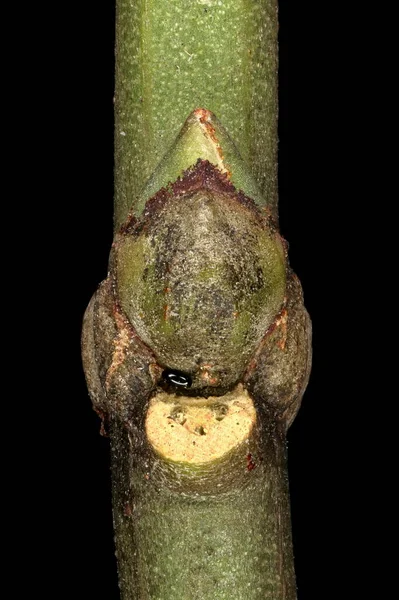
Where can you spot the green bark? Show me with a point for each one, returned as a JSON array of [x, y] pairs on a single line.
[[199, 281], [202, 137], [230, 545], [175, 56]]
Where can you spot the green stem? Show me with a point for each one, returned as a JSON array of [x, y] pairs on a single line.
[[234, 544], [224, 536], [175, 56]]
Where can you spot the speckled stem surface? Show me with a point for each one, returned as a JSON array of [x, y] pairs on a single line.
[[173, 56], [233, 544], [175, 542]]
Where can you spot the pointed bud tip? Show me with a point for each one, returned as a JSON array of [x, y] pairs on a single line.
[[203, 115]]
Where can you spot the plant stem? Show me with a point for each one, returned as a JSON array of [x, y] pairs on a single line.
[[174, 57], [234, 544], [199, 290]]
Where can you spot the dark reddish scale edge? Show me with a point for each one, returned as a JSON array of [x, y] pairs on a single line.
[[202, 176], [250, 462], [128, 226]]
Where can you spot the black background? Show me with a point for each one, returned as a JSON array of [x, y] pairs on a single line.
[[75, 175]]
